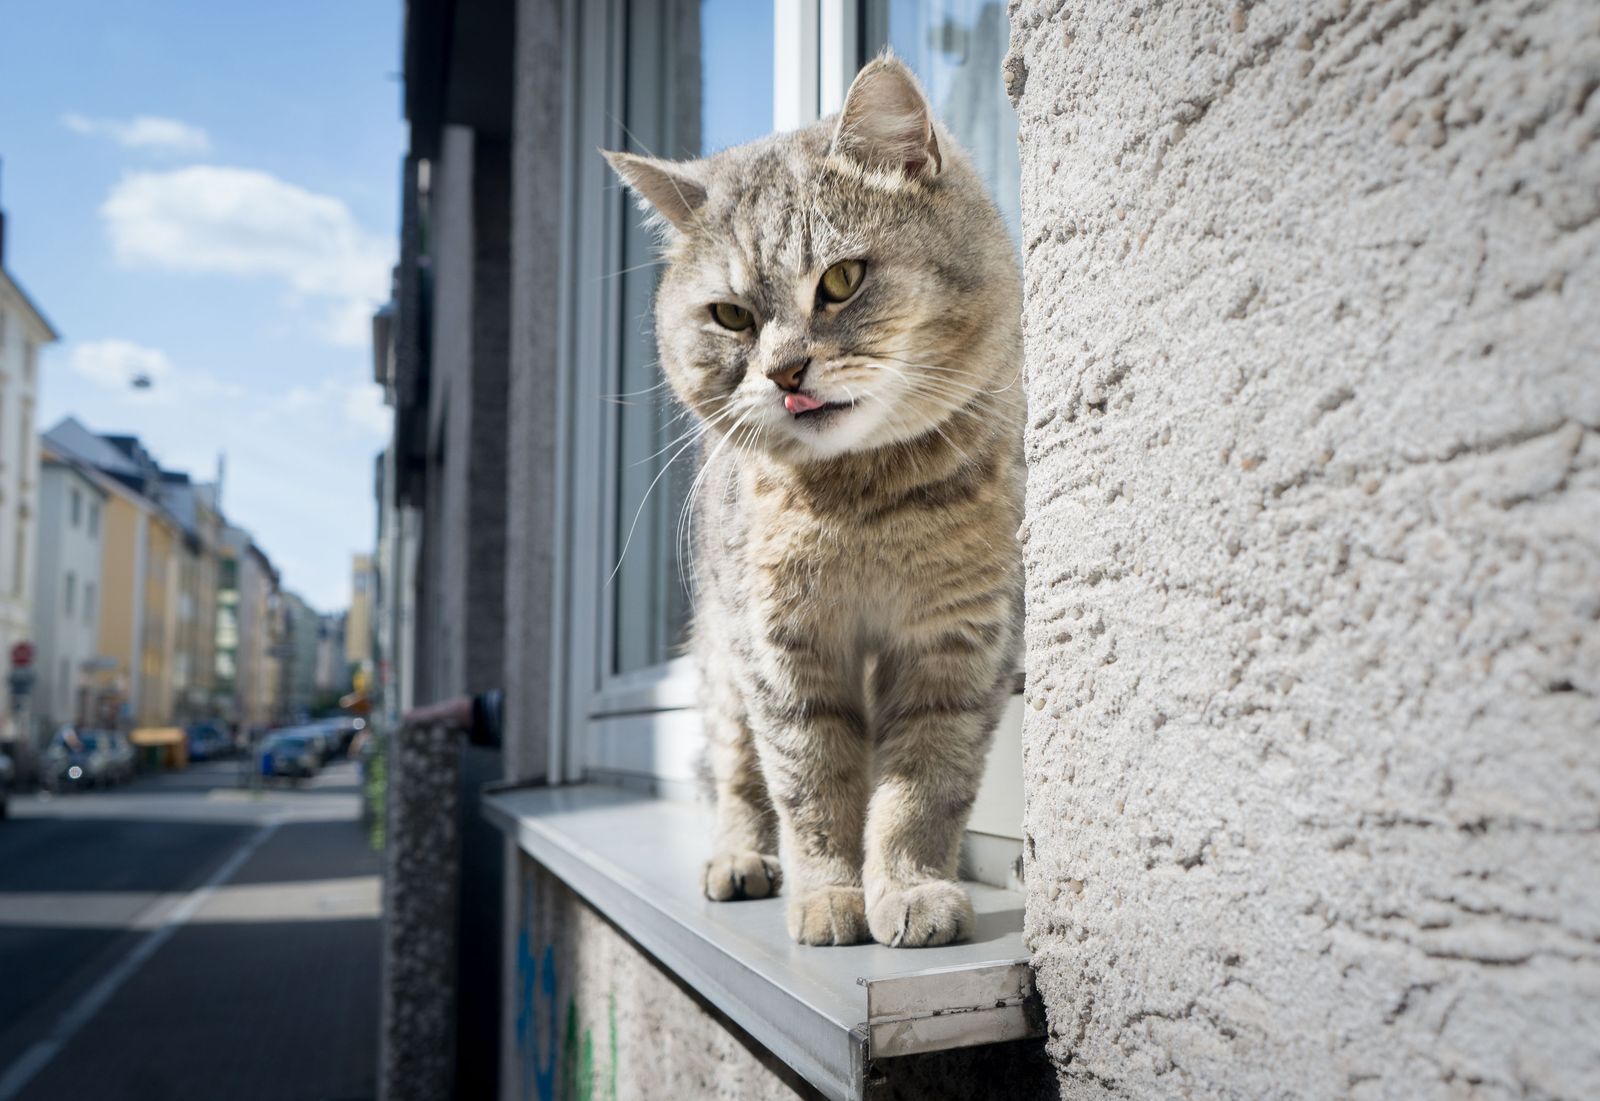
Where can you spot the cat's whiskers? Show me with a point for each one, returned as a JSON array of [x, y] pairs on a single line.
[[686, 516], [627, 542]]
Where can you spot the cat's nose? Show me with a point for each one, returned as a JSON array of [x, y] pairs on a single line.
[[787, 376]]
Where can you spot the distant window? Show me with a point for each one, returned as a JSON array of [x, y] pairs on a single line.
[[88, 601], [72, 591], [94, 519], [30, 361], [64, 692], [76, 509]]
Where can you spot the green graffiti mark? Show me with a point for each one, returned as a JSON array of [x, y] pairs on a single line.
[[577, 1078]]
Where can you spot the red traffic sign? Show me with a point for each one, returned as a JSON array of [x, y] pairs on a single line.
[[22, 655]]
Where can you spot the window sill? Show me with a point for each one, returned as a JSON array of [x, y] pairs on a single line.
[[827, 1012]]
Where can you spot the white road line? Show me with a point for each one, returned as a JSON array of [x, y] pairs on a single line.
[[81, 1012]]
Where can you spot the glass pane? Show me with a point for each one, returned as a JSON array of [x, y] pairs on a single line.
[[699, 79], [956, 48]]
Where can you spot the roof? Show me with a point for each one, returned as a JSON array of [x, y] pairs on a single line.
[[70, 437], [43, 321]]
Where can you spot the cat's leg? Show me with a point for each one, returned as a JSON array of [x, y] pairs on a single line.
[[811, 733], [935, 710], [744, 860]]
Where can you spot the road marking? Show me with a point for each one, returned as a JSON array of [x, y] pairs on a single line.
[[41, 1052]]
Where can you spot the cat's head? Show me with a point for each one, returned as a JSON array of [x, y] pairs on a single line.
[[834, 289]]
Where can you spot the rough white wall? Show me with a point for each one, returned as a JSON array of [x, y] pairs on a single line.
[[1313, 744]]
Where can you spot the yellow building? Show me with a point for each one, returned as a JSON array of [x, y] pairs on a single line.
[[358, 624], [139, 582]]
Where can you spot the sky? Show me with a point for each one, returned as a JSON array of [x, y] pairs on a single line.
[[207, 194]]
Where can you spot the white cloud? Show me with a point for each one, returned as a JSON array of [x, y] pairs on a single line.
[[143, 132], [239, 221]]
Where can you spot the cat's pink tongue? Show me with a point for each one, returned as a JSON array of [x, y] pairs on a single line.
[[799, 403]]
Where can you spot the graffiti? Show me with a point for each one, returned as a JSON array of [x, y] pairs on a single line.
[[537, 991]]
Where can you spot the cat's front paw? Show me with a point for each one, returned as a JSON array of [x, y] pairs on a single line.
[[740, 874], [923, 916], [829, 915]]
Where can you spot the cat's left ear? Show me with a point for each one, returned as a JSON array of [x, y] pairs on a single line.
[[670, 189], [886, 122]]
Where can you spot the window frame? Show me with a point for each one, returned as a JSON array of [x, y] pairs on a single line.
[[640, 729]]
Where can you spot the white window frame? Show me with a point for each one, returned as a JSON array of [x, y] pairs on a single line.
[[640, 729]]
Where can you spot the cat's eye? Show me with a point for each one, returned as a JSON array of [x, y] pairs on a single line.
[[841, 281], [732, 317]]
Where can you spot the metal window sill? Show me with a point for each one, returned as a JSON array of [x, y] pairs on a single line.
[[827, 1012]]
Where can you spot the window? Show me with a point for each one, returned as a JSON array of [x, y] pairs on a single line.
[[89, 595], [682, 79], [71, 591], [25, 441], [697, 80], [30, 361], [64, 691], [75, 508], [957, 48], [94, 519]]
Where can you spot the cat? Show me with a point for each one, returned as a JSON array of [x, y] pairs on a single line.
[[841, 309]]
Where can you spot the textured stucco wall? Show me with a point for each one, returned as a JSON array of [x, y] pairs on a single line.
[[1313, 548]]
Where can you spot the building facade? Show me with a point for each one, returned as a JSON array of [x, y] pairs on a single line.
[[302, 642], [249, 628], [23, 332], [358, 622], [1295, 799], [67, 591], [195, 507]]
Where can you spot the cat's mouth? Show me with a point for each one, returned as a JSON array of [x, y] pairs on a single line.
[[805, 407]]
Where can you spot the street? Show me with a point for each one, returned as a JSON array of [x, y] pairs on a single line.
[[183, 937]]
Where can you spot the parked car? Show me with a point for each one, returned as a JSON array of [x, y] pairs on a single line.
[[208, 741], [291, 753], [8, 777], [76, 759]]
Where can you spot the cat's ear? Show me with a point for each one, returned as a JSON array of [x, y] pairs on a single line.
[[670, 189], [886, 122]]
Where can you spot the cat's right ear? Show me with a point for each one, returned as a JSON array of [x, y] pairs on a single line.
[[670, 190], [886, 122]]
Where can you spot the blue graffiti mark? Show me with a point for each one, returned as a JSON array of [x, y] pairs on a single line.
[[537, 983], [544, 1077]]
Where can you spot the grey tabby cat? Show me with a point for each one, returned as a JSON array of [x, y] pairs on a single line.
[[841, 309]]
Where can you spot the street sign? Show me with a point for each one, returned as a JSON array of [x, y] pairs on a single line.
[[22, 655], [21, 681]]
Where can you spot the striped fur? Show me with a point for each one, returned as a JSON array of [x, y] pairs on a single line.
[[858, 580]]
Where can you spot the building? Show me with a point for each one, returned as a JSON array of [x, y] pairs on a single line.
[[302, 643], [23, 331], [67, 591], [358, 621], [196, 508], [333, 673], [140, 577], [250, 631], [1296, 799]]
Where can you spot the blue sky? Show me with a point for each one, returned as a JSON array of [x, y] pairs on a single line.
[[207, 193]]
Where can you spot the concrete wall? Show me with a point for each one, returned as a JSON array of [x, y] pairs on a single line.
[[462, 584], [1313, 545], [537, 234], [595, 1018]]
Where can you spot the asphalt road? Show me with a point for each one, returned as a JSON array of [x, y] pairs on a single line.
[[184, 938]]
